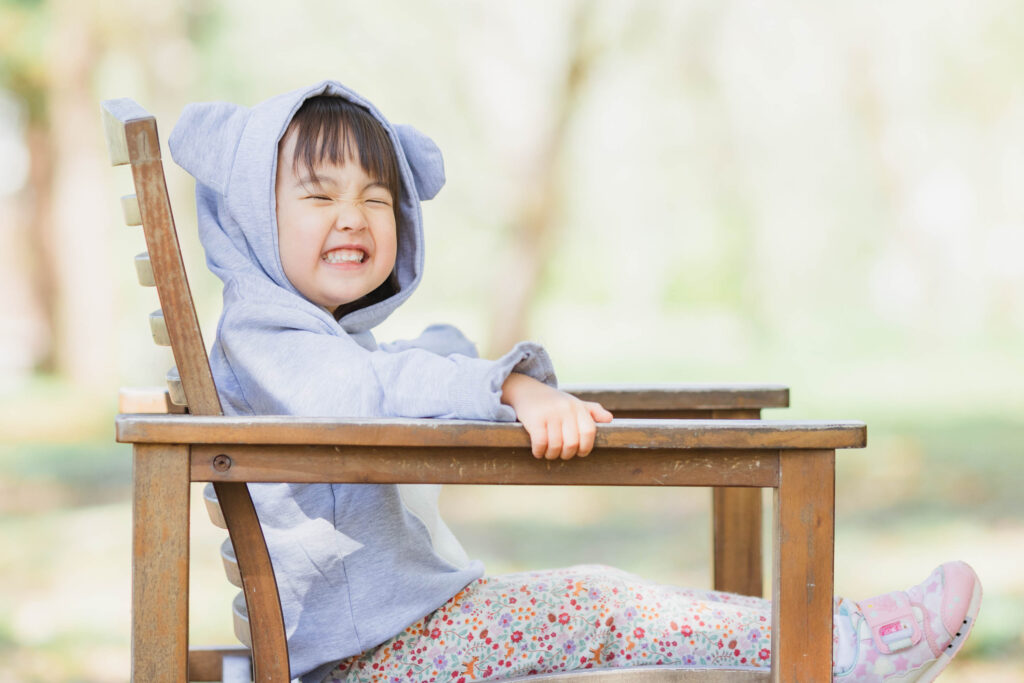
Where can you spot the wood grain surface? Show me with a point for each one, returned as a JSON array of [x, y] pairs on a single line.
[[168, 268], [425, 465], [682, 396], [160, 525], [804, 563], [633, 434]]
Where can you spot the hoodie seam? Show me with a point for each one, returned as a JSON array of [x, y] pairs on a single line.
[[415, 515], [348, 585], [234, 375], [234, 154]]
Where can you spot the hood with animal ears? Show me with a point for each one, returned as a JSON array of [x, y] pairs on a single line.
[[231, 151]]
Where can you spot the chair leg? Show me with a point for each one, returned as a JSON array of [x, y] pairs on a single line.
[[804, 562], [160, 514], [736, 537]]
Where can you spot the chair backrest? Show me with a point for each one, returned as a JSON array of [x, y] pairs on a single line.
[[132, 139]]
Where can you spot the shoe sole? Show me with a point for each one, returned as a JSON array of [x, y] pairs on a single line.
[[943, 660]]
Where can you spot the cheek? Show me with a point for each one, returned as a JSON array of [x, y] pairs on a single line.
[[387, 246], [296, 232], [295, 256], [392, 252], [289, 265]]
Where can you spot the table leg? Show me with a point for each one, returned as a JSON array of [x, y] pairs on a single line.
[[804, 563], [736, 528], [160, 520], [736, 539]]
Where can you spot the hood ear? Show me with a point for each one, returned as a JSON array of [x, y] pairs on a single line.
[[424, 159], [204, 141]]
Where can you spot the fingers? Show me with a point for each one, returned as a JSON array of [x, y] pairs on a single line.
[[558, 439], [578, 433], [538, 438], [588, 431], [567, 431], [590, 413], [554, 449], [570, 438]]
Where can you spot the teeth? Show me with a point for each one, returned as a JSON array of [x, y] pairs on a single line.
[[344, 256]]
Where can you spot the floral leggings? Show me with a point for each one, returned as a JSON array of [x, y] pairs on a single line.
[[563, 619]]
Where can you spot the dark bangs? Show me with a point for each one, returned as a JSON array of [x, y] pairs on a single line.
[[327, 129]]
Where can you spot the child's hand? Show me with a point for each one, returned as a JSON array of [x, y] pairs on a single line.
[[559, 424]]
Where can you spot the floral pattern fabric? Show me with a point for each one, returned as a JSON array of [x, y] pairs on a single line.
[[565, 619]]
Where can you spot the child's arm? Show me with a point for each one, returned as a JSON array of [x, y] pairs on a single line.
[[286, 362], [559, 424], [443, 340]]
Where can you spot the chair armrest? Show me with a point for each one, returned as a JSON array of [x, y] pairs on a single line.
[[681, 397], [628, 452]]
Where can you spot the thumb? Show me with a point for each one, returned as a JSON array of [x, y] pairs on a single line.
[[598, 412]]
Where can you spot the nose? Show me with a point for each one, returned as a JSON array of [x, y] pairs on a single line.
[[349, 217]]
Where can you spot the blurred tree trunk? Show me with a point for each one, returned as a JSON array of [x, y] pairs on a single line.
[[81, 213], [33, 275], [66, 274], [535, 226], [67, 212], [41, 260]]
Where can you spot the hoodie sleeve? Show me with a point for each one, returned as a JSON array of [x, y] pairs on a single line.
[[444, 340], [286, 366]]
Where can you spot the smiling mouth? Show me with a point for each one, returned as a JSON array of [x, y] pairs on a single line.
[[344, 256]]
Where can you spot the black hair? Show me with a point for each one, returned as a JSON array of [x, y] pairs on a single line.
[[327, 128]]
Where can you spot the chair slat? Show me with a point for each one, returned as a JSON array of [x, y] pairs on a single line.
[[144, 270], [158, 327], [116, 113], [241, 620], [130, 209], [227, 556], [213, 507], [174, 388]]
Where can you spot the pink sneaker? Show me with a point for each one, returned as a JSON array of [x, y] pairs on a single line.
[[911, 635]]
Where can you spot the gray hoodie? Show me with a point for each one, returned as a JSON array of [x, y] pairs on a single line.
[[355, 563]]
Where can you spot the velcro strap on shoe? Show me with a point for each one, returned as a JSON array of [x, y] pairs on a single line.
[[891, 620]]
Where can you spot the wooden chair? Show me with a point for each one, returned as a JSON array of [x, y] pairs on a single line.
[[690, 446]]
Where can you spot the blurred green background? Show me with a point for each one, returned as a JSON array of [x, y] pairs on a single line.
[[826, 195]]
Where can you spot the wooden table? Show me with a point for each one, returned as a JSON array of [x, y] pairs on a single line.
[[796, 459]]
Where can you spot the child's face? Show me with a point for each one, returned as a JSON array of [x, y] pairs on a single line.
[[336, 232]]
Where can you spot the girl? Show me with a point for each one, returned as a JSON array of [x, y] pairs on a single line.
[[309, 211]]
